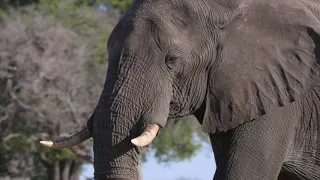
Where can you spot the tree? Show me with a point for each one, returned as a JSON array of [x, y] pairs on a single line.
[[122, 5], [41, 91], [48, 89]]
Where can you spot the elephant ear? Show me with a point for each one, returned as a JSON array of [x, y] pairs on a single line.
[[267, 58]]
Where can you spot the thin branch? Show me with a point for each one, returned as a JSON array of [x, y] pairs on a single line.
[[71, 109], [11, 136], [5, 117], [23, 105], [70, 106], [11, 68]]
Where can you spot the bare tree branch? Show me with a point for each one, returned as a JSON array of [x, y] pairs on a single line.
[[46, 90]]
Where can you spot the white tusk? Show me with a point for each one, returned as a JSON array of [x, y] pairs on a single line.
[[47, 143], [72, 140], [147, 136]]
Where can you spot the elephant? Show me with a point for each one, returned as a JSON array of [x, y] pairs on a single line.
[[248, 70]]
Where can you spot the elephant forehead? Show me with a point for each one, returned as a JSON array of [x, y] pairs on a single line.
[[178, 13], [158, 33]]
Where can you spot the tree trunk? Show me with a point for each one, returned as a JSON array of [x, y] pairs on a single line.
[[76, 170], [54, 171], [65, 170]]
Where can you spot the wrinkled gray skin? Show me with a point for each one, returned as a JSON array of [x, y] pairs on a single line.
[[247, 69]]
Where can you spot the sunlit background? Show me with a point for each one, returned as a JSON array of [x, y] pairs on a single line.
[[53, 64]]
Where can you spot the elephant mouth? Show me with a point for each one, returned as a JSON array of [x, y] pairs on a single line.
[[177, 111]]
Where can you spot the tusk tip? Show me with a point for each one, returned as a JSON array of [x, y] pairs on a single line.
[[137, 142], [46, 143], [147, 136], [134, 142]]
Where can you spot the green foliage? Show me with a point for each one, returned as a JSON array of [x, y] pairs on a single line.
[[6, 5], [51, 5], [16, 3], [88, 2], [122, 5], [14, 146], [57, 154], [21, 144]]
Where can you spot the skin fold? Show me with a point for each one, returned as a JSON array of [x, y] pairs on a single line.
[[248, 70]]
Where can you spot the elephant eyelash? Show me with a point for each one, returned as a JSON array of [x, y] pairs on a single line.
[[171, 62], [171, 59]]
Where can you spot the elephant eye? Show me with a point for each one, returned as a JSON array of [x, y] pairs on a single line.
[[171, 61]]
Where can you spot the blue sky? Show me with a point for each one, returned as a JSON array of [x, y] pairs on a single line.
[[200, 167]]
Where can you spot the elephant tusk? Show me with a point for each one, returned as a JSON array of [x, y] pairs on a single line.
[[147, 136], [72, 140]]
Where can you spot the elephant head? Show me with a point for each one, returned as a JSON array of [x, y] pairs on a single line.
[[227, 62]]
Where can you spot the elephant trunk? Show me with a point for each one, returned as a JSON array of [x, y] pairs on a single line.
[[125, 119], [115, 157], [131, 109]]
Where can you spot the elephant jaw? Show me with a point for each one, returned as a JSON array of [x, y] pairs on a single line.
[[147, 136]]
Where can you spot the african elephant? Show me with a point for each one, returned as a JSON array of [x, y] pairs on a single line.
[[247, 70]]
